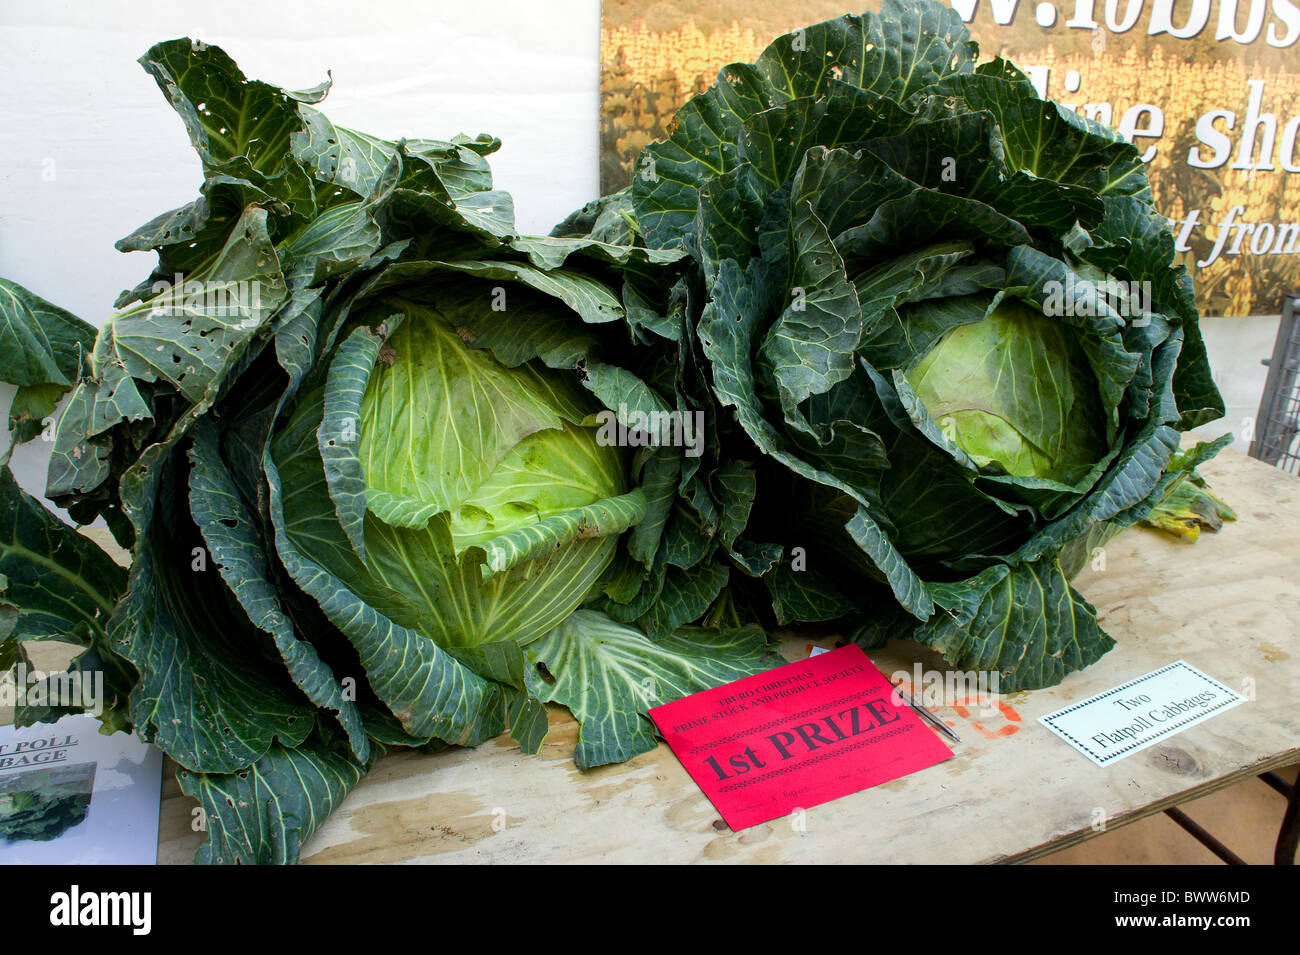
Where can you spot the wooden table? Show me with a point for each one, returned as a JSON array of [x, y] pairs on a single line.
[[1229, 605]]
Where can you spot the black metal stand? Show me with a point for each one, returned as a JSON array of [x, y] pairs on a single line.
[[1289, 835], [1278, 420], [1284, 852]]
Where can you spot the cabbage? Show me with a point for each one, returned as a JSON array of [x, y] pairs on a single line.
[[942, 322], [355, 431], [471, 469], [1014, 390]]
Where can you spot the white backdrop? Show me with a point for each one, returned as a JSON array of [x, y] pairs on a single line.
[[90, 149]]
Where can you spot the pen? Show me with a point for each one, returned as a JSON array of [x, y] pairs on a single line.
[[926, 715]]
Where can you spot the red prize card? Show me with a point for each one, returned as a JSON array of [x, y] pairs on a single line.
[[797, 736]]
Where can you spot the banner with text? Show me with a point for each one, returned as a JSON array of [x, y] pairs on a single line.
[[1208, 90]]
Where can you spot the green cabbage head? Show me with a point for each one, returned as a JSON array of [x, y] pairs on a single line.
[[1014, 390], [464, 458]]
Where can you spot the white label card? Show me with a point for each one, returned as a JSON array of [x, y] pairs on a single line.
[[1136, 714]]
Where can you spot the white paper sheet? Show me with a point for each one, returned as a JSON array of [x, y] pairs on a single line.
[[69, 761]]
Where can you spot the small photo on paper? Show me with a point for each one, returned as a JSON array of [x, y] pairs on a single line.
[[42, 804]]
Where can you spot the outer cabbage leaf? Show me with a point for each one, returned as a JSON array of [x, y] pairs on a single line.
[[263, 814], [609, 675]]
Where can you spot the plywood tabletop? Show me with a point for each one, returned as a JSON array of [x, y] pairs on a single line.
[[1229, 605]]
